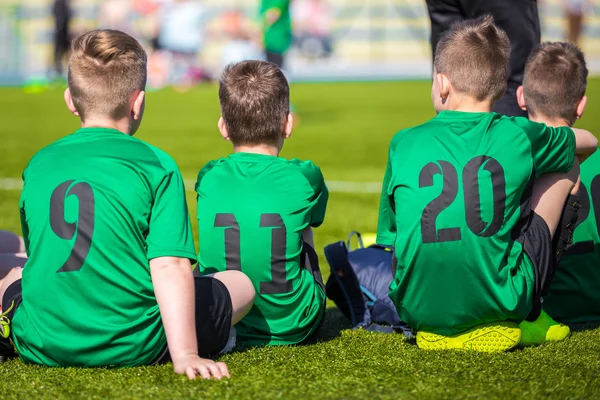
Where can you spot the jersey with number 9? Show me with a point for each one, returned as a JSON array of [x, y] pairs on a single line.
[[95, 207], [252, 210], [574, 296], [454, 202]]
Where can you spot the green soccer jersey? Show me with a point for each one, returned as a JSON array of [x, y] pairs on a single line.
[[252, 210], [277, 36], [454, 203], [574, 295], [96, 206]]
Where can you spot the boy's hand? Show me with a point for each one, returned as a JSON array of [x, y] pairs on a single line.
[[192, 366]]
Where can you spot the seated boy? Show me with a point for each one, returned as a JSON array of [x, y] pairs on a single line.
[[256, 210], [472, 202], [109, 279], [554, 93]]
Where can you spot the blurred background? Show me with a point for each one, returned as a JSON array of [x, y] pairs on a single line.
[[189, 41]]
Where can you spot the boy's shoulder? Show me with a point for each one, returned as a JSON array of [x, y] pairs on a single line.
[[302, 169], [143, 155]]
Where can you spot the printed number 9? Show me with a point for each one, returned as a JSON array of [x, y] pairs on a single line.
[[82, 229]]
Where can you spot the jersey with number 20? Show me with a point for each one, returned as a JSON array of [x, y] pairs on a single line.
[[454, 203], [96, 206], [252, 210]]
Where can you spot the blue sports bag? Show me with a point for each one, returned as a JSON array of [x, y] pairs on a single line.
[[359, 285]]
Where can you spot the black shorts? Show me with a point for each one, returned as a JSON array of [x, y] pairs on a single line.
[[213, 317], [544, 252]]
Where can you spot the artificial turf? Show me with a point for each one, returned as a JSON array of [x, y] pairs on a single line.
[[345, 128]]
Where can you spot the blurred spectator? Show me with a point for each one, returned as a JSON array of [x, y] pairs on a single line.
[[312, 27], [574, 13], [181, 37], [240, 45], [277, 29], [61, 11]]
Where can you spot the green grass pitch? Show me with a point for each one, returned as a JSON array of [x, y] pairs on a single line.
[[346, 129]]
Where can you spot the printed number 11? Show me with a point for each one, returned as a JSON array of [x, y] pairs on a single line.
[[279, 283]]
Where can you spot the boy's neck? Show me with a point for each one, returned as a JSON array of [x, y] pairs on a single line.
[[552, 122], [260, 149], [122, 125], [469, 104]]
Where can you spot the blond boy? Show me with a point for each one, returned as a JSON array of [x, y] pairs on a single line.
[[109, 280]]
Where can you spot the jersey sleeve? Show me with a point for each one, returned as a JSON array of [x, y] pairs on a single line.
[[170, 230], [321, 194], [552, 149], [205, 170], [386, 222]]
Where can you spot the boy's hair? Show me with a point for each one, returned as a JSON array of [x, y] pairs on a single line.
[[255, 102], [106, 68], [555, 80], [474, 54]]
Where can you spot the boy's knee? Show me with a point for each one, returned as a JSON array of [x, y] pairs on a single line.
[[237, 282]]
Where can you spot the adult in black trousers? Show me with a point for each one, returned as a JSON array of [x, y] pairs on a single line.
[[518, 18], [61, 11]]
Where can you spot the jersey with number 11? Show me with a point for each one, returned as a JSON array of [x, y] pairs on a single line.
[[454, 203], [252, 210]]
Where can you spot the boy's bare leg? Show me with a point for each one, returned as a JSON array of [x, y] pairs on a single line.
[[241, 291], [550, 193], [11, 243], [14, 275]]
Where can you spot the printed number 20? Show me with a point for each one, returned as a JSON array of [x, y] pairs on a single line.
[[279, 283], [470, 177], [82, 229]]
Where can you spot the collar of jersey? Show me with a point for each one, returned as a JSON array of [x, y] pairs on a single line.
[[449, 114], [93, 129], [252, 156]]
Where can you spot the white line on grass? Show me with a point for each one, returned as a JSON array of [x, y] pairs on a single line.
[[334, 186]]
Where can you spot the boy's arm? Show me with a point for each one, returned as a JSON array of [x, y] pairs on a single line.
[[174, 289], [585, 144], [554, 149]]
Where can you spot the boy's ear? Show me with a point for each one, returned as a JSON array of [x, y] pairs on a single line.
[[521, 98], [289, 126], [69, 102], [444, 85], [581, 106], [138, 105], [223, 129]]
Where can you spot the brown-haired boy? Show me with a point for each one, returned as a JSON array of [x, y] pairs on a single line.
[[256, 210], [472, 201], [109, 280], [553, 92]]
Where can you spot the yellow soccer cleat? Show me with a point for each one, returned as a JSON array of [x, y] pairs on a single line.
[[493, 337], [542, 330]]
